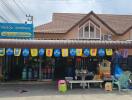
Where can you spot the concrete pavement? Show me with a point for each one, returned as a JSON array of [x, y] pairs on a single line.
[[49, 92]]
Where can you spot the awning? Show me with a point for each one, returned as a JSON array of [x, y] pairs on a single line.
[[22, 43]]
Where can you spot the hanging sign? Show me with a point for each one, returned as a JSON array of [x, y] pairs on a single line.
[[86, 52], [9, 51], [64, 52], [57, 52], [101, 52], [49, 52], [109, 52], [78, 52], [41, 52], [2, 51], [72, 52], [17, 51], [25, 52], [34, 52], [93, 52]]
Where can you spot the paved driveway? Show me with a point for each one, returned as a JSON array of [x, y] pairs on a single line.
[[49, 92]]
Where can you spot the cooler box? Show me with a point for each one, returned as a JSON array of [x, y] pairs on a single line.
[[62, 87]]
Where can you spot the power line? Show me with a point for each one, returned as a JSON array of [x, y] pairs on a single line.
[[19, 7], [10, 10], [3, 19], [3, 14], [24, 6]]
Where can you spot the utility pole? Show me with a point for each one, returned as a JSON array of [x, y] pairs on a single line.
[[29, 19]]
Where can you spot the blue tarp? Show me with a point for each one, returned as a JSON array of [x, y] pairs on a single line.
[[118, 71]]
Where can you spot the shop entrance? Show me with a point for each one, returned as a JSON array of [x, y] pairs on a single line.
[[64, 67]]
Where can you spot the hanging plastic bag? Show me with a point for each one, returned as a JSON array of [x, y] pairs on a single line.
[[64, 52], [101, 52], [78, 52], [57, 52], [2, 51], [109, 52], [93, 52], [41, 52], [34, 52], [86, 52], [25, 52], [17, 51], [49, 52], [72, 52], [9, 51]]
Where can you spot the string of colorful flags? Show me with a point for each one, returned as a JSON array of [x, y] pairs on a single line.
[[56, 52]]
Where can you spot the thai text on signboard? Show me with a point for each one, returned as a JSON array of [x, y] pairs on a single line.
[[16, 30]]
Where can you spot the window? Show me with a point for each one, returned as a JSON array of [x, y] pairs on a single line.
[[107, 37], [89, 31], [92, 31], [81, 32], [86, 31]]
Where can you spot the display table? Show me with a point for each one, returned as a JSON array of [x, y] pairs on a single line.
[[85, 82]]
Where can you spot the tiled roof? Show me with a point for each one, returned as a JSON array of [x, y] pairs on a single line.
[[62, 22]]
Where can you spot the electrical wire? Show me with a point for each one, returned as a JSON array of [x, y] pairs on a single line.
[[10, 10], [3, 15], [19, 7], [3, 19], [24, 6]]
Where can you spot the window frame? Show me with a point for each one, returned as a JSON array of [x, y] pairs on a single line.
[[88, 24]]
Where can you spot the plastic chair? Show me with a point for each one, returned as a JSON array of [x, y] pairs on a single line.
[[122, 82]]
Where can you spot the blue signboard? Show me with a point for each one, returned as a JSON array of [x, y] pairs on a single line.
[[16, 30]]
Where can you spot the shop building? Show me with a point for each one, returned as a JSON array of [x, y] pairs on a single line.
[[70, 31], [88, 27]]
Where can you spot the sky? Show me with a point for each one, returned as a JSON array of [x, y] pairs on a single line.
[[42, 10]]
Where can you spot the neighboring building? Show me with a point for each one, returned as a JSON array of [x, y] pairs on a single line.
[[89, 26]]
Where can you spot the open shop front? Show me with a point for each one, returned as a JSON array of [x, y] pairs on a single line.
[[54, 64], [51, 64]]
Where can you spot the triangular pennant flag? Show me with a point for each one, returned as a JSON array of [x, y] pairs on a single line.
[[101, 52], [34, 52], [72, 52], [2, 51], [41, 52], [86, 52], [25, 52], [93, 52], [9, 51], [64, 52], [57, 52], [109, 52], [49, 52], [78, 52], [17, 51]]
